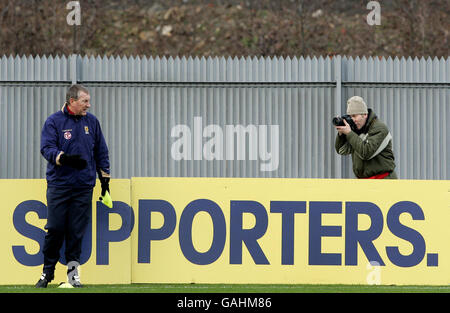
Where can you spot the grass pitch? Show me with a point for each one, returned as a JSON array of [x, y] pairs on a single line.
[[229, 288]]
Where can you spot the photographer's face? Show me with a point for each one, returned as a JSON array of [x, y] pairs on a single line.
[[359, 119]]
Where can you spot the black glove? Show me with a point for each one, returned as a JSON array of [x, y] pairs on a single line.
[[105, 185], [73, 160]]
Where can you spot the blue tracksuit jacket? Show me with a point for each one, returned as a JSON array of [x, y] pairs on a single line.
[[73, 135]]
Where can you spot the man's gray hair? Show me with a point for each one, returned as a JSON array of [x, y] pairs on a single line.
[[74, 91]]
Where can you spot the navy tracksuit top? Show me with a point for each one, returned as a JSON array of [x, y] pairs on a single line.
[[73, 135]]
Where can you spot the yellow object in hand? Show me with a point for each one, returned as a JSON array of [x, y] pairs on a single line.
[[106, 200]]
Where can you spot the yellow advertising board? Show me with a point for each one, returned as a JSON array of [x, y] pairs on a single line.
[[321, 231], [242, 230], [105, 255]]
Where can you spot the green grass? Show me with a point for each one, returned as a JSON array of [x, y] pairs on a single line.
[[228, 288]]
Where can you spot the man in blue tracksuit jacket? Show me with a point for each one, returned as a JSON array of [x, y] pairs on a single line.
[[73, 144]]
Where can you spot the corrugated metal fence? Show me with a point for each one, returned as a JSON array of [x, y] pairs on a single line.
[[229, 117]]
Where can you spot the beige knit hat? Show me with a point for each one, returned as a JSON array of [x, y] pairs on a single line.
[[356, 105]]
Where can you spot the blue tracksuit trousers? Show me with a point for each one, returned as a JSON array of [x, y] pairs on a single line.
[[69, 212]]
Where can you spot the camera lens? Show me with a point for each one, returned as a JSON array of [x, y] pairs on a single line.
[[337, 121]]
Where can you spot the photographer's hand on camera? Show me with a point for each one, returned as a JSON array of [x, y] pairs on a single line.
[[344, 129]]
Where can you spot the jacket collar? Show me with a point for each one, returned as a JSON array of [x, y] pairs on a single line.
[[65, 110]]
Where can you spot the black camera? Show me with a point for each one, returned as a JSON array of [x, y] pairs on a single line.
[[339, 121]]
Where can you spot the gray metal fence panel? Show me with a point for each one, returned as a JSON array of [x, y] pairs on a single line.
[[229, 117]]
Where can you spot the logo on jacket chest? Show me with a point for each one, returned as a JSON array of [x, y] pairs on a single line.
[[67, 134]]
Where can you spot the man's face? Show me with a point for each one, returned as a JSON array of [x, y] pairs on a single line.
[[359, 119], [80, 106]]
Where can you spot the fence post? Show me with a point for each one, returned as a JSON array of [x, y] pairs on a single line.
[[337, 109], [73, 68]]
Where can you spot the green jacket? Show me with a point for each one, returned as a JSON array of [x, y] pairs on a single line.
[[371, 150]]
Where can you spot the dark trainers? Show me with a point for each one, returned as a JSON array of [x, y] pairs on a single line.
[[43, 281]]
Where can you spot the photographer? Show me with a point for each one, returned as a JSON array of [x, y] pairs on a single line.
[[367, 139]]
